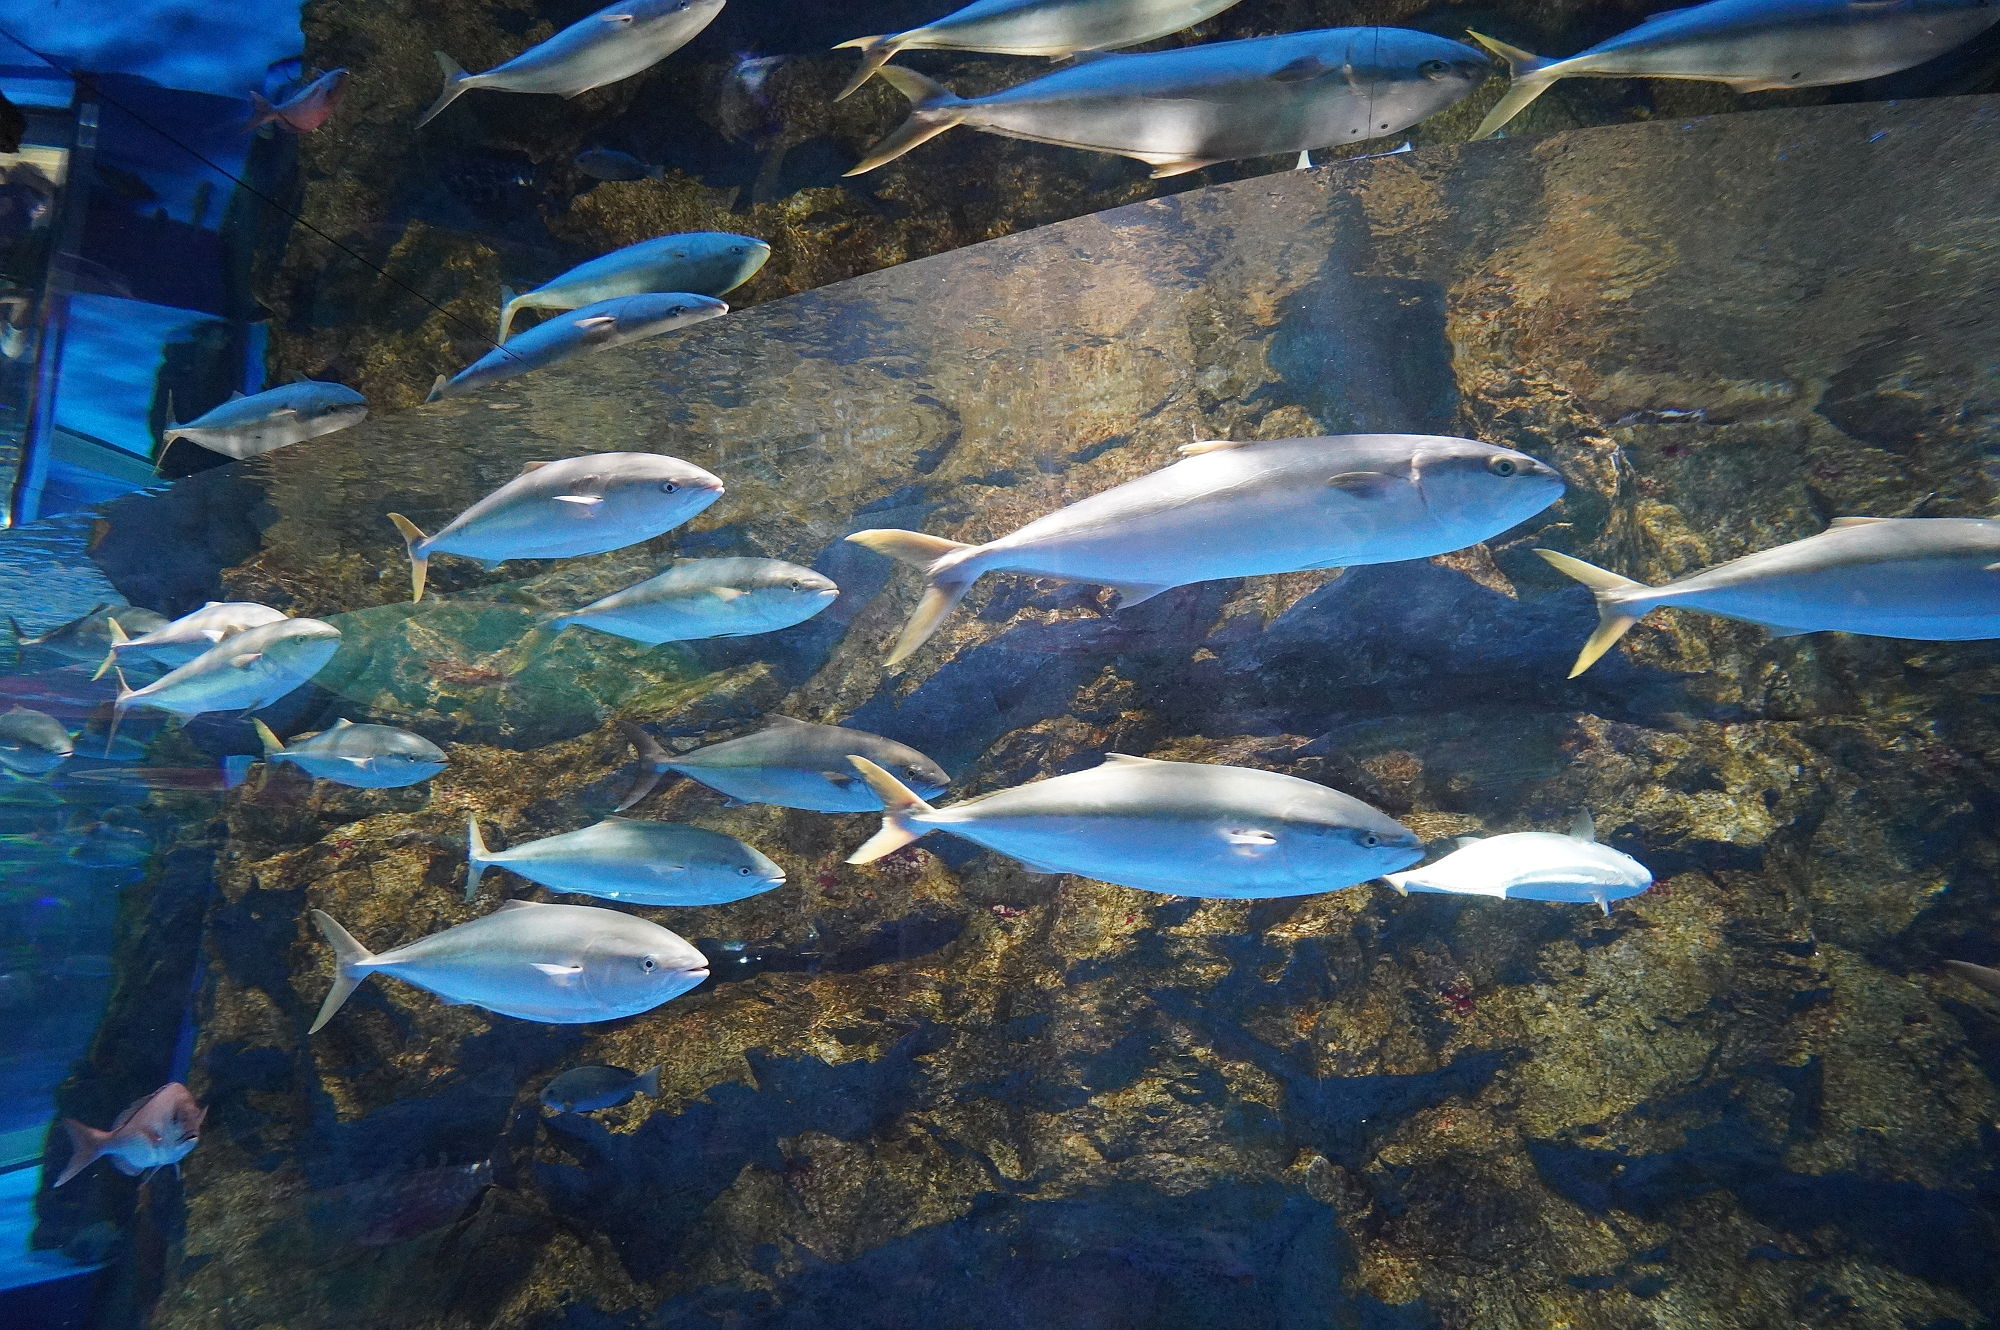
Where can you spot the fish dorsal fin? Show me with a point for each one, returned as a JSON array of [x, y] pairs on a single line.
[[299, 376], [1201, 447], [777, 722], [1464, 842], [616, 18], [1583, 826], [1085, 57], [1842, 523], [340, 724], [1126, 759], [532, 467], [237, 395], [516, 905]]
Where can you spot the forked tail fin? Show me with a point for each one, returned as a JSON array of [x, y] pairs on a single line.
[[649, 1081], [118, 639], [875, 52], [125, 692], [348, 957], [261, 113], [419, 563], [454, 84], [925, 553], [86, 1147], [273, 745], [1530, 79], [1613, 616], [510, 305], [477, 856], [933, 110], [899, 804], [652, 757]]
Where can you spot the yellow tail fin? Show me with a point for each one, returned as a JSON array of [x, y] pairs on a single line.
[[1613, 617], [419, 564], [118, 639], [939, 599], [1531, 78], [899, 804], [875, 53], [348, 956], [933, 110]]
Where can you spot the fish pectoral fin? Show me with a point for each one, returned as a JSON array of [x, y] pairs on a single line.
[[1133, 593], [561, 974], [581, 500], [1363, 484], [1301, 69], [1249, 838], [1168, 168], [615, 18], [246, 660], [841, 779], [1583, 827]]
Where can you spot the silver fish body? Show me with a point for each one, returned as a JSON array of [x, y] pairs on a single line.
[[793, 764], [364, 757], [32, 743], [89, 636], [558, 964], [616, 42], [1934, 579], [275, 418], [1185, 828], [594, 327], [1534, 866], [565, 509], [1757, 46], [155, 1132], [637, 862], [708, 598], [250, 669], [703, 263], [1184, 109], [1247, 509], [181, 641]]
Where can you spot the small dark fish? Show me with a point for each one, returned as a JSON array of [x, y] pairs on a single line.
[[745, 111], [155, 1131], [304, 111], [396, 1207], [94, 1244], [1979, 976], [588, 1089], [611, 164]]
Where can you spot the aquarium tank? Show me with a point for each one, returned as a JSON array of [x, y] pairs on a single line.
[[1063, 664]]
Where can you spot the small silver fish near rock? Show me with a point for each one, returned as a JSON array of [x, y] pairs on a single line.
[[155, 1132], [1532, 866], [364, 757], [88, 636], [702, 263], [33, 743], [790, 763], [633, 861], [275, 418], [250, 669], [593, 1089], [702, 598], [181, 641]]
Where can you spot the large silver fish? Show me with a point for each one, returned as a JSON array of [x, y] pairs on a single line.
[[638, 862], [32, 743], [254, 668], [559, 964], [560, 510], [181, 641], [161, 1129], [1532, 866], [1181, 110], [275, 418], [616, 42], [364, 757], [1245, 509], [707, 598], [1935, 579], [703, 263], [1035, 27], [596, 327], [1185, 828], [789, 763], [1755, 46]]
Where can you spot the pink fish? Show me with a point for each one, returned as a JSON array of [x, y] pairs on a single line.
[[154, 1132], [305, 110]]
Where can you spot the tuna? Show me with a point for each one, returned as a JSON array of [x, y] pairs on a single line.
[[625, 859], [275, 418], [789, 763]]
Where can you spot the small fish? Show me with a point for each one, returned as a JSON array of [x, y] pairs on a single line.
[[1532, 866], [252, 669], [1933, 579], [560, 510], [103, 845], [615, 43], [597, 327], [745, 110], [181, 641], [625, 859], [558, 964], [88, 637], [1181, 110], [1755, 46], [590, 1089], [611, 164], [1979, 976], [707, 598], [1035, 27], [304, 111], [365, 757], [1242, 510], [275, 418], [1184, 828], [396, 1207], [33, 743], [161, 1129], [703, 263], [790, 763]]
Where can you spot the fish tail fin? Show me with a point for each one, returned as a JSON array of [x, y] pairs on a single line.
[[454, 84], [86, 1146], [17, 637], [118, 707], [261, 113], [118, 639], [649, 1081], [419, 563], [900, 804], [929, 554], [875, 52], [510, 305], [1614, 614], [348, 957], [534, 642], [1530, 79], [652, 757], [477, 856], [273, 745], [933, 110]]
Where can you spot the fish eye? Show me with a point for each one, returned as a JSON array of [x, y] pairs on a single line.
[[1433, 68], [1503, 466], [1370, 840], [668, 487], [678, 309], [739, 249], [796, 585], [744, 872], [649, 965]]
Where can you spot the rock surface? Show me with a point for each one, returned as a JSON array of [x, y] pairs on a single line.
[[941, 1091]]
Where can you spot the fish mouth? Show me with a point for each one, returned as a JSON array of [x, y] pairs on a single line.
[[777, 881]]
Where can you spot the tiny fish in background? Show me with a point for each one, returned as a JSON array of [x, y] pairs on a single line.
[[33, 743], [790, 763], [304, 111], [1534, 866], [611, 164], [158, 1130], [592, 1089]]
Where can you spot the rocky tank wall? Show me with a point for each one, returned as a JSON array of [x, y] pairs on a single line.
[[940, 1091]]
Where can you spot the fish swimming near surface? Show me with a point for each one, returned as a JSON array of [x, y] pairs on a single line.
[[1933, 579], [1035, 27], [790, 763], [159, 1130], [1755, 46], [305, 110], [252, 669], [611, 164], [181, 641], [88, 637], [618, 41], [364, 757], [1244, 509], [597, 327], [592, 1089], [637, 862], [703, 598], [703, 263], [33, 743], [275, 418], [1979, 976], [1184, 828], [1532, 866], [1178, 111], [558, 964], [561, 510]]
